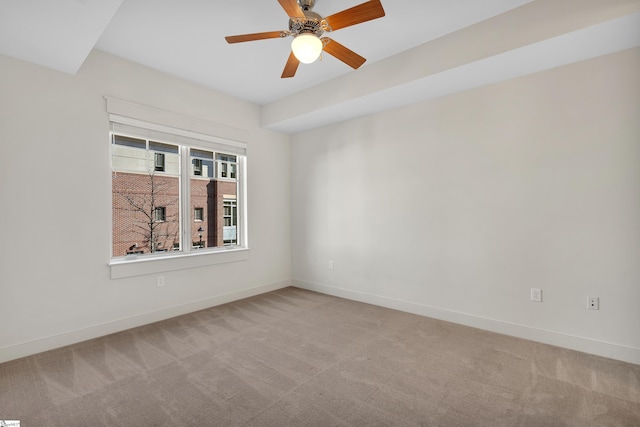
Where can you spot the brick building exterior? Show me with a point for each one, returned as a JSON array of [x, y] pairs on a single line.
[[132, 225], [135, 197]]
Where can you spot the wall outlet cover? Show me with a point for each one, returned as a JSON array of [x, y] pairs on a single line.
[[536, 295]]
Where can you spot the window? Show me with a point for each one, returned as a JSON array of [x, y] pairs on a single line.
[[159, 161], [159, 179], [198, 214], [202, 163], [226, 166], [160, 214], [230, 218], [197, 167]]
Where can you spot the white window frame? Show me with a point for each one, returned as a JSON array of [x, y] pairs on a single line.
[[205, 135]]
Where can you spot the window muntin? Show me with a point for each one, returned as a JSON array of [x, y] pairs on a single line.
[[150, 227]]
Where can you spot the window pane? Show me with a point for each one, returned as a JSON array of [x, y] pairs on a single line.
[[197, 167], [227, 166], [158, 161], [198, 214], [160, 214], [202, 163], [210, 194], [129, 154], [230, 229], [145, 202]]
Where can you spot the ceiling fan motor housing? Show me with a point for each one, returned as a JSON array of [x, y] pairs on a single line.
[[312, 24]]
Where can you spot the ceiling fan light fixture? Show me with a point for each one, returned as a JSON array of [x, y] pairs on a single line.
[[306, 27], [306, 47]]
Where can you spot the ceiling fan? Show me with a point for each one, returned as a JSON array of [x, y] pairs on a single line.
[[307, 27]]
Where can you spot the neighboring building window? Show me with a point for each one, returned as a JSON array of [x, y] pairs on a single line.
[[157, 183], [160, 214], [197, 167], [202, 163], [227, 166], [230, 217], [159, 161], [198, 214]]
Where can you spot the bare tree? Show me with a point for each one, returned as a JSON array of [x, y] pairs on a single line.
[[154, 231]]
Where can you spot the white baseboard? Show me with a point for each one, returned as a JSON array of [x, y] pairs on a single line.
[[49, 343], [559, 339]]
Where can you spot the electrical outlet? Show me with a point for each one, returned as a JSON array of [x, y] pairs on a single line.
[[536, 295], [160, 281], [330, 264], [593, 303]]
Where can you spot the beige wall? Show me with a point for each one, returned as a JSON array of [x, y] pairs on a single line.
[[456, 207], [55, 184], [452, 208]]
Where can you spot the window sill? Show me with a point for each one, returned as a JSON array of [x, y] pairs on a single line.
[[138, 266]]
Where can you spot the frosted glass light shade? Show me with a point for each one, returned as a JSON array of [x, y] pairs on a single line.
[[306, 47]]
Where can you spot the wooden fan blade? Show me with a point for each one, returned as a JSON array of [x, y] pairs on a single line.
[[255, 36], [292, 8], [291, 67], [344, 54], [355, 15]]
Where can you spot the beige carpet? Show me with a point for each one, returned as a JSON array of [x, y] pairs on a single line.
[[299, 358]]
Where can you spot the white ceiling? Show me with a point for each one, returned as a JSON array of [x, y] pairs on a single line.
[[55, 33], [185, 38]]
